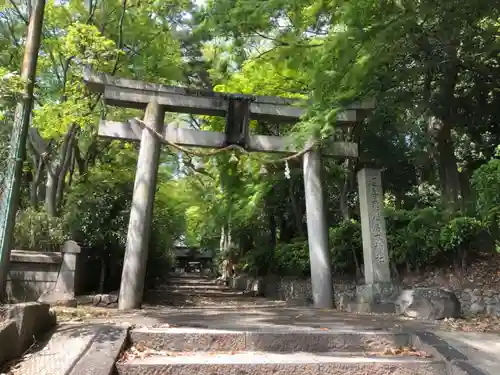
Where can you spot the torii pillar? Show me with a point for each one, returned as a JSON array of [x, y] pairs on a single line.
[[317, 232], [141, 213]]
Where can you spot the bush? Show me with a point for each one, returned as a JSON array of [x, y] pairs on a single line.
[[36, 230], [346, 248], [421, 238], [486, 185], [460, 237], [292, 259], [396, 222], [416, 239], [345, 244]]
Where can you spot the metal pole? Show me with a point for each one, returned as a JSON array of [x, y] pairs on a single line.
[[17, 150]]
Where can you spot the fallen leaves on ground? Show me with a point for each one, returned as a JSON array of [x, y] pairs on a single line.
[[77, 314], [483, 273], [402, 351], [473, 324], [140, 351]]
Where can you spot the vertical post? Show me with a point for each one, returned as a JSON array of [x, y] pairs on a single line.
[[375, 252], [317, 232], [136, 251], [17, 152]]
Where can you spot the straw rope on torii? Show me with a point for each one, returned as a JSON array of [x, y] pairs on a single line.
[[163, 139]]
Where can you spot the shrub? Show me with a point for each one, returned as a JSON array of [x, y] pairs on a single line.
[[292, 259], [460, 237], [37, 230], [346, 248], [486, 185]]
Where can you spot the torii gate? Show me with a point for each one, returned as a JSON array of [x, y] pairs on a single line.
[[156, 99]]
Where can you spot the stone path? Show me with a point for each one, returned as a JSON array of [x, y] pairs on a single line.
[[90, 344]]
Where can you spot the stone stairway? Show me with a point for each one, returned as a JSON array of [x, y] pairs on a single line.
[[193, 289], [182, 351]]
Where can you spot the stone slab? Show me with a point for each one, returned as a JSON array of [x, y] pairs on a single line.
[[32, 320], [458, 362], [100, 357], [200, 340], [75, 349], [58, 353], [279, 364], [8, 335]]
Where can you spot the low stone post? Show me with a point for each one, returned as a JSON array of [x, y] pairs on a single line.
[[379, 287], [141, 213], [64, 290], [317, 232]]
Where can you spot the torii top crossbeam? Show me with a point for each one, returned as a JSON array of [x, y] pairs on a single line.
[[130, 93], [122, 92]]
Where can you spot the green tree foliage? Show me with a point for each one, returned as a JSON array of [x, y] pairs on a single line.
[[431, 67]]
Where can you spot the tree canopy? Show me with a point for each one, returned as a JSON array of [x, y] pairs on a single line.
[[432, 68]]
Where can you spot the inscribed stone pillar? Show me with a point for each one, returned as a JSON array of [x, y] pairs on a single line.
[[136, 251], [375, 253], [317, 231]]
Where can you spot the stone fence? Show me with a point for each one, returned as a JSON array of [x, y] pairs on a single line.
[[472, 300], [46, 276]]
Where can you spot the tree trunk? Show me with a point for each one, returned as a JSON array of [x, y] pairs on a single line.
[[102, 276], [51, 193], [35, 184], [344, 189], [468, 202], [56, 169], [295, 207], [448, 170]]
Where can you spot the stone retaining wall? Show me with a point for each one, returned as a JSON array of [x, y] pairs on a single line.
[[473, 301], [35, 274]]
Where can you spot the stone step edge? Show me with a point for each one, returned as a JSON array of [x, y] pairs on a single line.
[[271, 358], [282, 365], [199, 294], [282, 341], [277, 331]]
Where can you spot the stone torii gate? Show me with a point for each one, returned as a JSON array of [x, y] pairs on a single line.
[[156, 99]]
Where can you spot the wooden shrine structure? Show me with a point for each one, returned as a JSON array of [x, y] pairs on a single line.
[[238, 109]]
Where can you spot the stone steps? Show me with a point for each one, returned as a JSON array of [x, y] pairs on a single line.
[[200, 293], [278, 364], [314, 341], [194, 287], [191, 281], [278, 351]]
